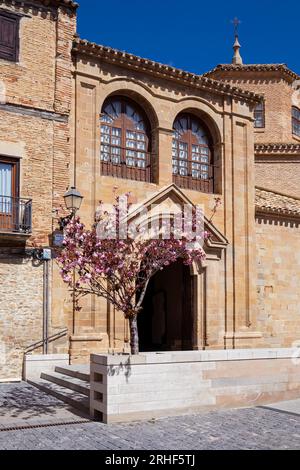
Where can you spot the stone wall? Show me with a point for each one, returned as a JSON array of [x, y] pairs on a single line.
[[230, 121], [278, 263], [22, 312], [21, 307], [155, 385]]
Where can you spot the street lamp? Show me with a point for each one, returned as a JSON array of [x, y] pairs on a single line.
[[73, 200]]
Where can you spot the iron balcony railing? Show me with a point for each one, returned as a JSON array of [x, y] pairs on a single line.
[[15, 215]]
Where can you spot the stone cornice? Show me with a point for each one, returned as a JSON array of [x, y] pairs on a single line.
[[64, 3], [34, 112], [270, 202], [131, 61], [277, 149], [282, 69], [69, 4], [277, 214]]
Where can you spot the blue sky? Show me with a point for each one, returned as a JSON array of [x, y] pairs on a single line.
[[195, 35]]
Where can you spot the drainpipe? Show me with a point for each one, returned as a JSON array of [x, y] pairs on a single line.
[[45, 306]]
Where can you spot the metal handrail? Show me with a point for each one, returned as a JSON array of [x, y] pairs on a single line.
[[15, 214], [50, 339]]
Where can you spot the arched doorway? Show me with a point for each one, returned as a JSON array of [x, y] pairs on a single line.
[[167, 320]]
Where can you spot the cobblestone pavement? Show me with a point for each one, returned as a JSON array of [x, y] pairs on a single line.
[[256, 428], [24, 405]]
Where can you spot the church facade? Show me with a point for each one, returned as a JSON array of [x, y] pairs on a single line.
[[74, 113]]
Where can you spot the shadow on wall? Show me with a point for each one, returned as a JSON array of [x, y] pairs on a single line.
[[18, 258], [276, 221], [116, 370]]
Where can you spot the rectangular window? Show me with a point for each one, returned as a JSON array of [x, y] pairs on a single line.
[[6, 177], [259, 116], [9, 169], [9, 191], [9, 36], [296, 121]]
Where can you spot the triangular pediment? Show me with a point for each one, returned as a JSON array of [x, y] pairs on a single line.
[[171, 200]]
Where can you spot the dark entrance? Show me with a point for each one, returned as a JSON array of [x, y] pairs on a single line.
[[166, 322]]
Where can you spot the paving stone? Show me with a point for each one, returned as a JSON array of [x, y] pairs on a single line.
[[252, 428], [277, 430]]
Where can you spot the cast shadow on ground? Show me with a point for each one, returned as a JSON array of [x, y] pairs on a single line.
[[22, 401]]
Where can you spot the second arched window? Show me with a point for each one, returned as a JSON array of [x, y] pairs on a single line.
[[125, 140], [192, 154]]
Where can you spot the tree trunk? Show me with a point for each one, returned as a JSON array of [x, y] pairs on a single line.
[[134, 335]]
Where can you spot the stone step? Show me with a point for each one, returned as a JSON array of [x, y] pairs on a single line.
[[72, 398], [68, 382], [77, 372]]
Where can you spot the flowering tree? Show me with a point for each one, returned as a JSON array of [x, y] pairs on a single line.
[[119, 269]]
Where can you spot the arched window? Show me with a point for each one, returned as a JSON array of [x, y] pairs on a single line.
[[192, 155], [125, 140], [296, 121]]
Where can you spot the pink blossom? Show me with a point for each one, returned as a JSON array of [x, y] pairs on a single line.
[[118, 270]]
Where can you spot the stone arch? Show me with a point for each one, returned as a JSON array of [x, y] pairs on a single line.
[[143, 98], [213, 122], [137, 93], [203, 111]]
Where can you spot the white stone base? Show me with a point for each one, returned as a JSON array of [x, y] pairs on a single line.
[[10, 381], [34, 365], [129, 388]]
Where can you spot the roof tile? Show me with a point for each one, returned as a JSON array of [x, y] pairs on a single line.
[[255, 68], [114, 55], [276, 203]]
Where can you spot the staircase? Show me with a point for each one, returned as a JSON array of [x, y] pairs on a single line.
[[70, 384]]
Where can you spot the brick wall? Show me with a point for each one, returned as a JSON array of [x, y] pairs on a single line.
[[283, 176], [42, 76], [278, 101], [277, 90], [34, 126]]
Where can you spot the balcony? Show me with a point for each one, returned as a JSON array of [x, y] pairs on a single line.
[[15, 216], [125, 163]]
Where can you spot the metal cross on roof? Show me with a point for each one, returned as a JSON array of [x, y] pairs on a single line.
[[236, 23]]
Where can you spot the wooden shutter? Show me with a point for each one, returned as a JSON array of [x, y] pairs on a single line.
[[9, 37]]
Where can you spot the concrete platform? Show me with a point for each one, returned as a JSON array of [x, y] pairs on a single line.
[[291, 407]]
